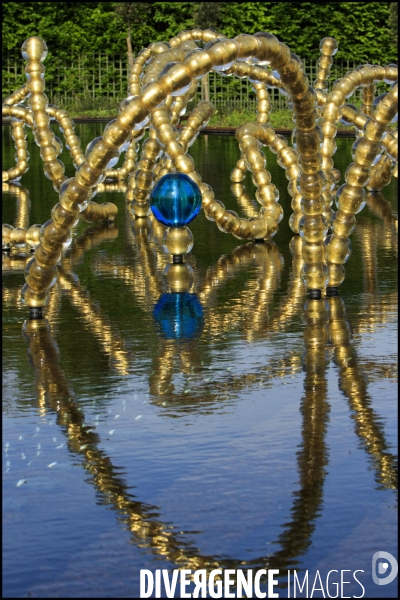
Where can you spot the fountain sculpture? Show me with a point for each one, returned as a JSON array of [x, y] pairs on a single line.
[[163, 79]]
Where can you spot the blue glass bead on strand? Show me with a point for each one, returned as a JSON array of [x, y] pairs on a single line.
[[175, 200]]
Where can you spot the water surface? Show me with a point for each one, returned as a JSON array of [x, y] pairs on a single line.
[[133, 439]]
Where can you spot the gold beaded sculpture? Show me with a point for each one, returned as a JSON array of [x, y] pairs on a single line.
[[162, 80]]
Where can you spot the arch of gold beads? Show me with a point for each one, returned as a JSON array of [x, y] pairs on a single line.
[[163, 79]]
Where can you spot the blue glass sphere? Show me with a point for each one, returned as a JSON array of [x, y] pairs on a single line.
[[175, 200], [179, 315]]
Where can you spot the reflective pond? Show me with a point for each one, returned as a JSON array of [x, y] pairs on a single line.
[[146, 430]]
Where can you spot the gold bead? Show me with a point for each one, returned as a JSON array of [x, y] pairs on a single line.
[[307, 143], [336, 97], [72, 194], [300, 87], [100, 154], [261, 228], [237, 175], [151, 149], [159, 48], [381, 175], [313, 253], [296, 202], [64, 218], [367, 74], [152, 95], [34, 48], [312, 207], [214, 210], [54, 169], [38, 101], [223, 52], [364, 152], [229, 222], [310, 186], [350, 200], [36, 85], [144, 179], [175, 79], [373, 130], [387, 107], [18, 236], [331, 112], [99, 212], [47, 153], [43, 134], [51, 236], [263, 106], [327, 165], [178, 240], [310, 164], [184, 163], [336, 275], [33, 235], [287, 157], [328, 46], [247, 142], [268, 47], [48, 257], [357, 175], [244, 231], [292, 172], [197, 34], [199, 64], [296, 247], [249, 129], [194, 176], [255, 159], [262, 118], [267, 194], [305, 104], [6, 235], [315, 275], [307, 121], [274, 211], [276, 144], [338, 249], [40, 278], [209, 34], [32, 298], [313, 228], [248, 45], [283, 57], [115, 134], [146, 164], [87, 177], [207, 195]]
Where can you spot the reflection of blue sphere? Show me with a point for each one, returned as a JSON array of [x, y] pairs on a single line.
[[175, 200], [179, 315]]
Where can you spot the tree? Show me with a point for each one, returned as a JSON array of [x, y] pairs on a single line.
[[393, 22], [131, 13], [207, 16]]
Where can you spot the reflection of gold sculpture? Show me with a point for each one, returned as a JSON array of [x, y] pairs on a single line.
[[353, 385], [169, 82], [324, 324], [325, 327], [21, 238]]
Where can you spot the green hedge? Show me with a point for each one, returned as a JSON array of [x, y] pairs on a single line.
[[363, 29]]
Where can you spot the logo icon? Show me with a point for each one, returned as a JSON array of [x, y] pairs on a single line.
[[382, 567]]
